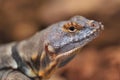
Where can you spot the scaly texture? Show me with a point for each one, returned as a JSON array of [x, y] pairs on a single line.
[[41, 55]]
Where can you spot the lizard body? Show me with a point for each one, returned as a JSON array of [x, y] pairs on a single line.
[[53, 47]]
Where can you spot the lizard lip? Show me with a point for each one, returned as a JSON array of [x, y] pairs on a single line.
[[68, 53]]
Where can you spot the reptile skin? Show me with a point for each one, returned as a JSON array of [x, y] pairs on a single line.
[[41, 55]]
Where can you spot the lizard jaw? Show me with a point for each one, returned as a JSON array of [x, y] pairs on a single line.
[[77, 45]]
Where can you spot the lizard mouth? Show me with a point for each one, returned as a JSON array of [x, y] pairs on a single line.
[[69, 49]]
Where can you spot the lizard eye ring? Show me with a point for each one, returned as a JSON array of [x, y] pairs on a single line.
[[72, 27]]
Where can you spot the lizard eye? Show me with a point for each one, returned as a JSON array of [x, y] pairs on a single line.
[[72, 27]]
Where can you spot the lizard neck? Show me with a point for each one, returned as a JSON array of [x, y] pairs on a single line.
[[31, 46]]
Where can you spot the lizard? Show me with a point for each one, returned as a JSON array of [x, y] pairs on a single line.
[[42, 54]]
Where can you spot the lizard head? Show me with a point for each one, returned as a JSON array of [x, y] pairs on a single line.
[[65, 38]]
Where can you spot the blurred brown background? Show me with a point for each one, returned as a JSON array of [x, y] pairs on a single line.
[[99, 60]]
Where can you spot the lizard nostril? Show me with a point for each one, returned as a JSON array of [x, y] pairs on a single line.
[[92, 23]]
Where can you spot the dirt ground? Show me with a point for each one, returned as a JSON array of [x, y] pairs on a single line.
[[99, 60]]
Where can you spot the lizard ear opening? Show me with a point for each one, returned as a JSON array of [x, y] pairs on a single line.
[[72, 27]]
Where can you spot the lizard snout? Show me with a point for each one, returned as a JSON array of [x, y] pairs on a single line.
[[97, 25]]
